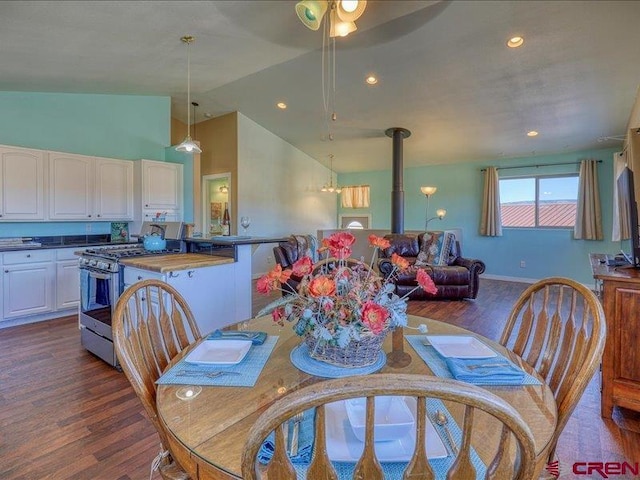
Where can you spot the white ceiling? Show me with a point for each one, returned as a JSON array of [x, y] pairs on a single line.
[[445, 72]]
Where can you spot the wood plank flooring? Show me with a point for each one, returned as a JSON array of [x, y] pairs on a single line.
[[66, 415]]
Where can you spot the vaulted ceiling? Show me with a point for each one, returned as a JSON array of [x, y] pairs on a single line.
[[444, 70]]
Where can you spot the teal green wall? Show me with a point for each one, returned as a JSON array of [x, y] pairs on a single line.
[[116, 126], [546, 252]]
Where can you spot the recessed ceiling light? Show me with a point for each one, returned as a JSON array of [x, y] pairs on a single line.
[[371, 80], [532, 133], [281, 105], [208, 115], [515, 42]]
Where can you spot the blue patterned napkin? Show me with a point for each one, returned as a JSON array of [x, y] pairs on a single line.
[[257, 338], [439, 367], [249, 369], [474, 370], [305, 440]]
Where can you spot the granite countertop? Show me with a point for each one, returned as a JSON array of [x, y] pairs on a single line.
[[236, 240], [61, 241], [174, 261]]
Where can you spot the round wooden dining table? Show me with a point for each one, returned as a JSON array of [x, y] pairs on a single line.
[[207, 432]]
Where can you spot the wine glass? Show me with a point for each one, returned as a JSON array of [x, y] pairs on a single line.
[[245, 222]]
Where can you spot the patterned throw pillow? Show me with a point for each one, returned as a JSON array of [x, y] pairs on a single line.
[[436, 247], [421, 259]]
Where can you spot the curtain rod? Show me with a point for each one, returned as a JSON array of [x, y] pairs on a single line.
[[539, 165]]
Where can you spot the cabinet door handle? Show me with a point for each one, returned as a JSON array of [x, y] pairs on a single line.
[[191, 273], [89, 216], [6, 271], [28, 255], [139, 277], [174, 275], [96, 215]]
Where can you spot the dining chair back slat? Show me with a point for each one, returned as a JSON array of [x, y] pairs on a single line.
[[566, 350], [419, 467], [321, 467], [152, 324], [516, 462]]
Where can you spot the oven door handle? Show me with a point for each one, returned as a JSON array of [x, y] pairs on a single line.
[[94, 274]]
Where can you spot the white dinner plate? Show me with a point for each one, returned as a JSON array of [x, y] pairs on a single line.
[[460, 346], [343, 446], [219, 352]]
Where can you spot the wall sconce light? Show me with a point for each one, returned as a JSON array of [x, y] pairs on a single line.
[[440, 213]]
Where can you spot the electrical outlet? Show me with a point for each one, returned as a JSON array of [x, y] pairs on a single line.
[[88, 227], [522, 264]]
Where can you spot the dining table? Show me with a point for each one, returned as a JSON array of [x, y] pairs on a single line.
[[207, 427]]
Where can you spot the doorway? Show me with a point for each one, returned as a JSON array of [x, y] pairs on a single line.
[[216, 192]]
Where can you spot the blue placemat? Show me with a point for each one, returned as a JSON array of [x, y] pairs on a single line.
[[300, 358], [395, 470], [439, 367], [249, 369]]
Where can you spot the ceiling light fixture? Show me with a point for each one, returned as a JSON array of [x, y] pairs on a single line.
[[188, 145], [532, 133], [224, 189], [371, 80], [328, 187], [515, 42], [281, 105], [342, 14]]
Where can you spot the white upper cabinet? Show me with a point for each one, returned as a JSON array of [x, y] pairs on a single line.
[[89, 188], [114, 189], [70, 186], [22, 180], [161, 187]]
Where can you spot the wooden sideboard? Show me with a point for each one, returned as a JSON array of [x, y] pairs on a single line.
[[620, 290]]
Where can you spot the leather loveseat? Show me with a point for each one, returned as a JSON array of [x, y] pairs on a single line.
[[289, 252], [439, 254]]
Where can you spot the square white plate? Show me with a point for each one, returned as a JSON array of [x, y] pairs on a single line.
[[343, 446], [460, 346], [219, 352], [393, 419]]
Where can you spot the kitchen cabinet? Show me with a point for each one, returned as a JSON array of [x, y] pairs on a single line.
[[160, 189], [28, 283], [22, 184], [67, 279], [209, 292], [89, 188]]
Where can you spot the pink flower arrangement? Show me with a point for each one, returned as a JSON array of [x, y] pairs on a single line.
[[340, 298]]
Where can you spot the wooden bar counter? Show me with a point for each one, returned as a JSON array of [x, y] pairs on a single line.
[[621, 359]]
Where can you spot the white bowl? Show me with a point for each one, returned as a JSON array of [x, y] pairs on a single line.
[[392, 420]]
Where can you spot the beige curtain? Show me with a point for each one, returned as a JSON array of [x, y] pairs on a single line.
[[356, 196], [491, 222], [588, 217]]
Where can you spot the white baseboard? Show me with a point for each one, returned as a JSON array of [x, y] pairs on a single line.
[[42, 317], [526, 280]]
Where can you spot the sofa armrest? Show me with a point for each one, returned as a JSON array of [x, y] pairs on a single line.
[[385, 266], [475, 267]]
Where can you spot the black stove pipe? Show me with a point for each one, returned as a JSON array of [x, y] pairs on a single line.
[[397, 193]]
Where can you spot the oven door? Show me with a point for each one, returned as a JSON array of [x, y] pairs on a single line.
[[99, 292]]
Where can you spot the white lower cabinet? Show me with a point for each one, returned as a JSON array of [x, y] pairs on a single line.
[[28, 283], [36, 282], [67, 279], [209, 292]]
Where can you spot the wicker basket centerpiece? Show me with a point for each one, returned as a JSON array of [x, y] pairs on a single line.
[[342, 307]]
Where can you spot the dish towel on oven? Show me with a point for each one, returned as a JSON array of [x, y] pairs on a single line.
[[102, 292], [306, 433], [85, 289]]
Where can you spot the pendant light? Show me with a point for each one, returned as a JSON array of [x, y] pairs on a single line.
[[188, 145]]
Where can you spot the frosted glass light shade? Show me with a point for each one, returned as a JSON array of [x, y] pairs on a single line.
[[310, 12], [440, 213], [428, 191], [189, 146], [340, 28], [350, 10]]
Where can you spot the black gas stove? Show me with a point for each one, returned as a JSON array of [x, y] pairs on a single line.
[[106, 258]]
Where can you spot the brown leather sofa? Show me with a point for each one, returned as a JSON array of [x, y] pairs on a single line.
[[289, 252], [456, 279]]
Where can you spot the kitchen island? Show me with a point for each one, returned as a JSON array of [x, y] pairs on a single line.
[[214, 277]]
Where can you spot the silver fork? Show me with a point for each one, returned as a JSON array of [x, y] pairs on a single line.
[[297, 418], [195, 373]]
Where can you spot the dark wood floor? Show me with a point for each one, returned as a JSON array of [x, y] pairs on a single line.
[[65, 414]]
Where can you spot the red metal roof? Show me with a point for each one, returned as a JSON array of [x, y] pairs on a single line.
[[552, 214]]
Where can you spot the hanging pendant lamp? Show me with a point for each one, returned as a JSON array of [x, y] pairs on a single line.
[[188, 145]]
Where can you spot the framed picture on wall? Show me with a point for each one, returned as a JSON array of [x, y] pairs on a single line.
[[216, 210], [355, 221]]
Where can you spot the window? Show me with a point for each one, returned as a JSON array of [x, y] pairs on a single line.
[[540, 201], [355, 221]]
